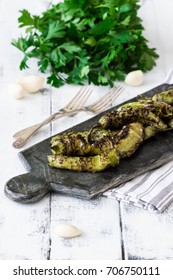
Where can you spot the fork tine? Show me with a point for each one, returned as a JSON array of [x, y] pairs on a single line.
[[102, 99], [116, 93], [106, 101], [82, 93], [103, 103], [110, 100], [75, 98], [82, 100]]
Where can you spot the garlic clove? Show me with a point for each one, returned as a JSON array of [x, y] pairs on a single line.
[[134, 78], [67, 231], [15, 90], [31, 83]]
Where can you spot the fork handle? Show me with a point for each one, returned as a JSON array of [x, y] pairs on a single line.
[[53, 117], [24, 134], [29, 129]]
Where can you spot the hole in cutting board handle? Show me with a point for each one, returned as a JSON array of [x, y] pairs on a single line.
[[26, 188]]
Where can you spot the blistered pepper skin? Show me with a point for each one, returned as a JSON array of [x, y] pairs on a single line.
[[89, 164], [68, 142], [165, 96], [117, 135], [159, 108], [149, 131], [81, 143], [132, 137], [170, 123], [148, 111], [131, 113], [103, 153]]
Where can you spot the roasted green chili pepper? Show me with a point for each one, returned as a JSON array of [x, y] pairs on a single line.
[[130, 138], [99, 148], [105, 152], [170, 123], [165, 96], [70, 143], [90, 164], [160, 109], [97, 133], [125, 142], [149, 131], [130, 113], [148, 111], [79, 143]]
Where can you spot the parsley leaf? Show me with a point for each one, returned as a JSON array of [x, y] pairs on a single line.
[[79, 41], [56, 30]]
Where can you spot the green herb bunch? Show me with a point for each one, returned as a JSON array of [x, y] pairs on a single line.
[[78, 41]]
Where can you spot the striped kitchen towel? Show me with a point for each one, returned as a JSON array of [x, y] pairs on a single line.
[[153, 190]]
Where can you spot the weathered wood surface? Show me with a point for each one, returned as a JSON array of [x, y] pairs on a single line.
[[109, 230]]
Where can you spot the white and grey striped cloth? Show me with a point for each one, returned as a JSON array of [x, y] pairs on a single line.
[[153, 190]]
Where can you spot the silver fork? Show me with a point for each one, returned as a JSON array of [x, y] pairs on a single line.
[[104, 103], [75, 103]]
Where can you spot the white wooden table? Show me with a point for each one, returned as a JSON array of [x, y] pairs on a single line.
[[110, 230]]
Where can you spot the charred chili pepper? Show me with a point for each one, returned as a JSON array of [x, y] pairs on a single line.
[[79, 143], [132, 112], [103, 153], [90, 163], [118, 134], [165, 96]]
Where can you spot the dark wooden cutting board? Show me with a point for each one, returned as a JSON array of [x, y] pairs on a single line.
[[42, 178]]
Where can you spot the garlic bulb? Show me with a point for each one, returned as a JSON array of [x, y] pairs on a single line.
[[15, 90], [135, 78], [31, 83], [67, 231]]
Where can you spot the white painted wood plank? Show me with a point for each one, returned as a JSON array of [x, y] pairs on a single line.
[[164, 21], [98, 221], [152, 79], [152, 33], [148, 235], [24, 229]]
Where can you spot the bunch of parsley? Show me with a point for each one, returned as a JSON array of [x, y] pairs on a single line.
[[75, 41]]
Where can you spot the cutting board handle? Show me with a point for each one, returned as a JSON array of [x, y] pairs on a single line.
[[22, 189]]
